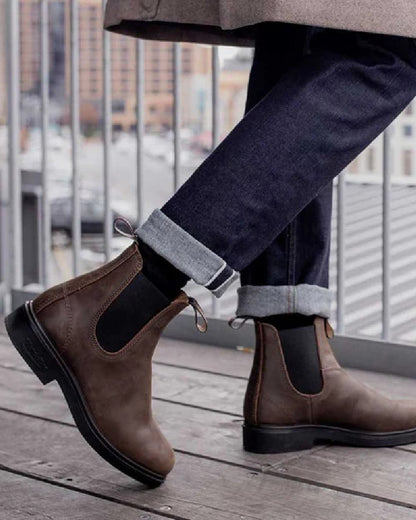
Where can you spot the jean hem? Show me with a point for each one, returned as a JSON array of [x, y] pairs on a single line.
[[267, 300], [186, 253]]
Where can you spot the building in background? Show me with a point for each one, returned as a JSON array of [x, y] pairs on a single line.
[[196, 68], [195, 85], [403, 145], [233, 87]]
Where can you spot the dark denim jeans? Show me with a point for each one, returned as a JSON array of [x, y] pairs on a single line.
[[261, 202], [300, 254]]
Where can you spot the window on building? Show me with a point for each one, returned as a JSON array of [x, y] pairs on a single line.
[[407, 162], [408, 130], [118, 105]]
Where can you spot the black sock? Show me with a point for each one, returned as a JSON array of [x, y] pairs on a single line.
[[297, 337], [160, 272]]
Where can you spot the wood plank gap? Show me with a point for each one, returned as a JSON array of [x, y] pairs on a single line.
[[201, 370], [46, 480], [197, 407], [403, 448], [306, 481], [160, 363], [16, 369], [38, 417], [340, 489]]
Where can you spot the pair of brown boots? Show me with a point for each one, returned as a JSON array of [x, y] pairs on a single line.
[[66, 334]]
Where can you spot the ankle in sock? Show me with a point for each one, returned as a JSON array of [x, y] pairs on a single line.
[[297, 337], [166, 277]]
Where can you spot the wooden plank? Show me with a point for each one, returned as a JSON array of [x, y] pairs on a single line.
[[209, 358], [212, 434], [171, 383], [238, 364], [201, 428], [24, 498], [197, 489], [385, 473]]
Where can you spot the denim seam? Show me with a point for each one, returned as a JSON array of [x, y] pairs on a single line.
[[220, 270], [294, 252]]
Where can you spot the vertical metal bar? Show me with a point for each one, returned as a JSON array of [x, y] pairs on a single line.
[[15, 188], [140, 125], [107, 127], [341, 253], [177, 105], [45, 208], [386, 231], [215, 309], [215, 97], [75, 135]]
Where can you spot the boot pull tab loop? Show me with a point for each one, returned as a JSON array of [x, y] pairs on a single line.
[[121, 222], [198, 311], [328, 329], [236, 326]]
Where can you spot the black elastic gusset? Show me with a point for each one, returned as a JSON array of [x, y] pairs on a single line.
[[129, 312], [162, 273], [298, 340], [290, 321]]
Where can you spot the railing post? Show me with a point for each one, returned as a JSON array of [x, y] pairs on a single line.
[[107, 130], [386, 231], [45, 207], [75, 136], [177, 106], [15, 185], [140, 49], [341, 253], [215, 66]]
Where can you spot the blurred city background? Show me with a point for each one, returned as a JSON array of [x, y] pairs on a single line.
[[363, 218]]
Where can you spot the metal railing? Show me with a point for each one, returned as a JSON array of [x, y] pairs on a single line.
[[377, 355]]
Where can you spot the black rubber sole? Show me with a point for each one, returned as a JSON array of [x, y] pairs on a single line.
[[38, 351], [280, 439]]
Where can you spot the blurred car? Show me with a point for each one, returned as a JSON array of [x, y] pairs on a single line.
[[92, 216]]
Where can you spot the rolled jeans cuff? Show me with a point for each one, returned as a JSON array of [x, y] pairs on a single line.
[[268, 300], [186, 253]]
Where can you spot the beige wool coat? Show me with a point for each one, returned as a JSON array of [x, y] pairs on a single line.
[[230, 22]]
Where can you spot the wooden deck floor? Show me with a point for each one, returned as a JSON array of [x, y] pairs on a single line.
[[47, 471]]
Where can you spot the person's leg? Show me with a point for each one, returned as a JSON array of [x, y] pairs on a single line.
[[297, 393], [287, 284], [320, 115], [292, 274]]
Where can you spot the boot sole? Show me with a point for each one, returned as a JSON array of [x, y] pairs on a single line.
[[38, 351], [280, 439]]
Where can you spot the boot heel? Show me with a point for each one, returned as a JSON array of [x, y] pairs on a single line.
[[275, 439], [28, 342]]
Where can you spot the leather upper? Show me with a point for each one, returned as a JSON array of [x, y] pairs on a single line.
[[271, 399], [115, 385]]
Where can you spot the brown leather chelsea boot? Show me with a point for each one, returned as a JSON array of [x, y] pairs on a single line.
[[86, 335], [280, 418]]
